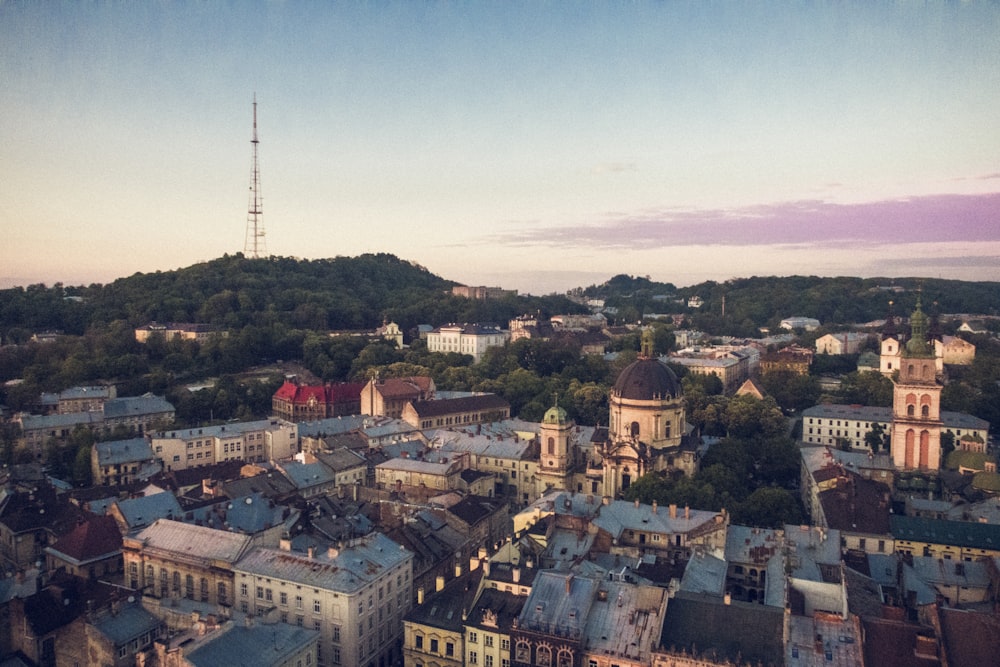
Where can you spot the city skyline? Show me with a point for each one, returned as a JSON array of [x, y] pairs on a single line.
[[538, 147]]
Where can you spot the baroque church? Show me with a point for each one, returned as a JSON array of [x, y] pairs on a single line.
[[647, 432]]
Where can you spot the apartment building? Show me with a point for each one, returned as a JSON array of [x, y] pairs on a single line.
[[355, 594], [256, 441]]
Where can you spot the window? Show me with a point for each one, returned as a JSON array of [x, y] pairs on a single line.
[[504, 644], [473, 638], [260, 592], [243, 589], [283, 598], [434, 646], [449, 648], [488, 660], [221, 593], [418, 641], [298, 602], [336, 634], [189, 587], [473, 658], [488, 640], [317, 608]]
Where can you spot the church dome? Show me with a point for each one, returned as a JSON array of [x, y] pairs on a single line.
[[647, 380], [555, 415]]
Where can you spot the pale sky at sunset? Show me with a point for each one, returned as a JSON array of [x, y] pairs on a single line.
[[538, 146]]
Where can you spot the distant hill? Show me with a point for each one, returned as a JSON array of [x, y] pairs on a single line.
[[234, 291], [762, 301]]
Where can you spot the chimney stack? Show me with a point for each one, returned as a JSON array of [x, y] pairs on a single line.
[[420, 595], [654, 507], [673, 511], [439, 583]]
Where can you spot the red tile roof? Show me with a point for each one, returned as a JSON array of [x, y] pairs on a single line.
[[93, 538]]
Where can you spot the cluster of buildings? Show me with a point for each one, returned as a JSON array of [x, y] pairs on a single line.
[[388, 523], [95, 408]]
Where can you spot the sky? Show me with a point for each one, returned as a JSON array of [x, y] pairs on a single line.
[[536, 146]]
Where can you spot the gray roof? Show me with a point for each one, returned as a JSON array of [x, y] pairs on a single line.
[[262, 645], [84, 392], [305, 475], [621, 515], [128, 623], [232, 428], [741, 632], [136, 405], [625, 620], [882, 414], [144, 510], [331, 426], [196, 541], [704, 574], [341, 459], [115, 452], [68, 420], [559, 604], [938, 531], [358, 564]]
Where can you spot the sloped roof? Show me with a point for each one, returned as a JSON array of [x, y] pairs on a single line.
[[123, 451], [741, 632], [196, 541], [93, 538], [449, 406]]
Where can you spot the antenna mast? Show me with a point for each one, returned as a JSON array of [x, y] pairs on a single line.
[[254, 246]]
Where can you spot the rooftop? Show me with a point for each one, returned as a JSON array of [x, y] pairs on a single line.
[[360, 562]]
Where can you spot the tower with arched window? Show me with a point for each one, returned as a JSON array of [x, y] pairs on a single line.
[[555, 456], [916, 403]]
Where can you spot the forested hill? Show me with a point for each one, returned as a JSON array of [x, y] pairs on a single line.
[[749, 303], [234, 291]]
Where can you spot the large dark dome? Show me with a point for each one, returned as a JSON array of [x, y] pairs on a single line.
[[647, 380]]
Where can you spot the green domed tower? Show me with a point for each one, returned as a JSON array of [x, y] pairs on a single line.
[[555, 438]]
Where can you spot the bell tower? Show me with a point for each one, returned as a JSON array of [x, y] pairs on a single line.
[[916, 402], [554, 456]]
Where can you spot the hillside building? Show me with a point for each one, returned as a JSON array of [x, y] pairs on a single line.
[[470, 339]]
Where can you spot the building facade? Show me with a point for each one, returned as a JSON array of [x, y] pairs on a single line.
[[355, 595]]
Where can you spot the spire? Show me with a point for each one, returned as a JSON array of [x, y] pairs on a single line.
[[254, 246], [890, 330]]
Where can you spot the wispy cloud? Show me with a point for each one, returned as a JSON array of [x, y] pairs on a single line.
[[814, 223]]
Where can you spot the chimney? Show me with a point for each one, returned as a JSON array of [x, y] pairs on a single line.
[[486, 567], [606, 500], [687, 512], [673, 511], [482, 553], [637, 503], [439, 583], [458, 570], [727, 599], [311, 552], [517, 575], [420, 595], [332, 552], [654, 506], [285, 544], [569, 583]]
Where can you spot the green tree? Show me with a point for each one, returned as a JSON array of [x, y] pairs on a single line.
[[876, 437], [768, 507], [867, 388]]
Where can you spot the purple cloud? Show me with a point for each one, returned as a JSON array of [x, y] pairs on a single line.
[[930, 219]]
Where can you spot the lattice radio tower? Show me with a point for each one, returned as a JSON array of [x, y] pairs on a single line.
[[254, 245]]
